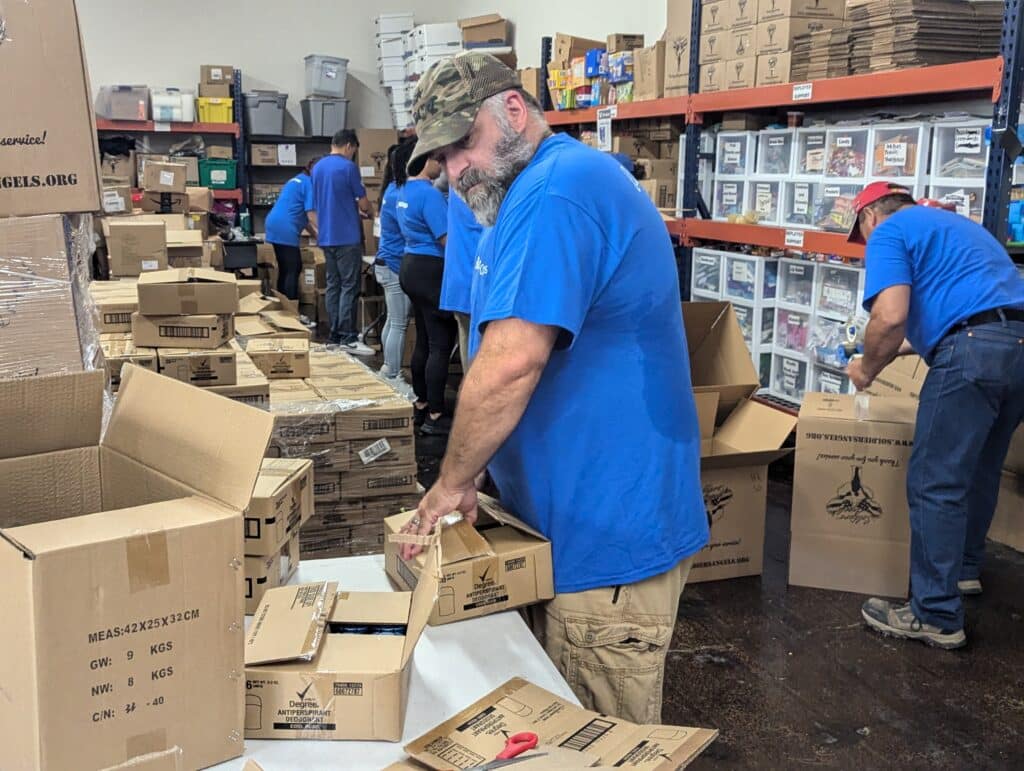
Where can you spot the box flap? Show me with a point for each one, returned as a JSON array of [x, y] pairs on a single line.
[[879, 409], [185, 275], [277, 344], [183, 238], [723, 458], [754, 427], [424, 597], [282, 320], [252, 304], [477, 21], [251, 326], [289, 623], [492, 508], [719, 358], [707, 409], [55, 412], [371, 608], [211, 444], [461, 541]]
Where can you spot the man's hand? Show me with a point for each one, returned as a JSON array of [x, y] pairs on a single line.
[[855, 371], [440, 501]]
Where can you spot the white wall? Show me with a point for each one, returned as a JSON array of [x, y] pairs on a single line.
[[163, 43]]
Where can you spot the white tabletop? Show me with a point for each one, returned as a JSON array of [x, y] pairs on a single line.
[[454, 665]]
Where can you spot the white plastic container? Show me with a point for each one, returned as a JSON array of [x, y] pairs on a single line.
[[173, 105], [834, 209], [796, 284], [326, 76], [809, 157], [394, 23], [390, 48], [792, 331], [392, 72], [847, 153], [830, 381], [775, 153], [730, 198], [789, 377], [959, 153], [798, 204], [839, 291], [969, 199], [748, 278], [764, 198], [706, 273], [735, 153], [445, 34], [757, 325], [900, 152]]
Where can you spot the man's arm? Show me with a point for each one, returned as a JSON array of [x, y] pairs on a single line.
[[492, 400], [313, 222], [365, 208], [884, 336]]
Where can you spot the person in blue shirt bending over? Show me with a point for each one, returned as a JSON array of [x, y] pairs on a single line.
[[941, 285], [459, 253], [284, 226], [340, 200], [578, 397]]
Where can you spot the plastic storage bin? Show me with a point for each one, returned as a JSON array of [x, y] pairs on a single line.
[[747, 317], [326, 76], [764, 199], [829, 381], [173, 105], [749, 279], [763, 362], [833, 211], [824, 341], [391, 48], [775, 152], [323, 117], [789, 377], [218, 173], [757, 325], [394, 23], [706, 273], [265, 112], [216, 110], [969, 200], [796, 284], [798, 204], [735, 153], [792, 330], [847, 153], [809, 158], [839, 291], [730, 197], [444, 35], [900, 152], [123, 103], [959, 152]]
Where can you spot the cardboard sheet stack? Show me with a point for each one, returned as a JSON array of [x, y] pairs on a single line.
[[781, 26], [822, 54]]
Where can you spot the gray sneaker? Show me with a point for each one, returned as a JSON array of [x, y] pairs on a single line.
[[969, 586], [900, 621]]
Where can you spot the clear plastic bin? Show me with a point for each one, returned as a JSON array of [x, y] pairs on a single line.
[[839, 291], [326, 76], [811, 146], [763, 362], [323, 117], [265, 112], [798, 202], [749, 278], [775, 152], [792, 330], [764, 199], [123, 102], [746, 315], [959, 152], [847, 153], [899, 152], [829, 381], [735, 153], [789, 377], [969, 200], [174, 105], [825, 339], [796, 283], [767, 327], [706, 276], [833, 211], [730, 197]]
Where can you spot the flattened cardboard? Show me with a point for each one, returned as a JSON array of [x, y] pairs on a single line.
[[206, 331], [265, 573], [282, 502], [280, 358], [476, 735], [199, 367], [187, 291], [499, 565], [719, 360], [850, 521], [771, 10]]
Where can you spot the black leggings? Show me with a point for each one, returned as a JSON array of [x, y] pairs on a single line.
[[436, 330], [289, 266]]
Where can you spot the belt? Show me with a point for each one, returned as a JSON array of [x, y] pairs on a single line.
[[994, 316], [379, 261]]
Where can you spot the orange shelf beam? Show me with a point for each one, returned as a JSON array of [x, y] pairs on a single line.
[[148, 126], [653, 108], [227, 195], [692, 229]]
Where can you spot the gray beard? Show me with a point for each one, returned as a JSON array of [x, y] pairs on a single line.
[[511, 155]]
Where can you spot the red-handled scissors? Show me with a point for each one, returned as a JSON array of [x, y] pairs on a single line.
[[517, 744]]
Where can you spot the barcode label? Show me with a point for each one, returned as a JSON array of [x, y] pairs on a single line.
[[150, 265], [385, 482], [587, 735], [189, 332], [117, 318], [384, 424], [166, 178], [379, 448]]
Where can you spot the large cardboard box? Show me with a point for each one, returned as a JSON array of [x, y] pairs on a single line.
[[741, 73], [719, 360], [49, 156], [384, 417], [774, 69], [163, 203], [187, 291], [743, 13], [662, 192], [478, 734], [280, 357], [623, 41], [385, 452], [774, 37], [715, 16], [324, 664], [772, 10], [135, 247], [143, 563], [485, 31], [206, 331], [373, 151], [569, 47], [118, 350], [714, 47], [1008, 523], [199, 367], [712, 77], [532, 79], [281, 503], [740, 43], [117, 199], [216, 74], [119, 169], [850, 521], [649, 72], [903, 377], [265, 573], [677, 46], [500, 564], [251, 386], [165, 177], [377, 482]]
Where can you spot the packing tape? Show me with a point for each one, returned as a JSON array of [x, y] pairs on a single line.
[[409, 538], [148, 566], [151, 742]]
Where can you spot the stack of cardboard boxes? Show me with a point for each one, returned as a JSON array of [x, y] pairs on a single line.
[[780, 23]]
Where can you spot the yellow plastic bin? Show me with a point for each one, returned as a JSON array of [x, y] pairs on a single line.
[[216, 110]]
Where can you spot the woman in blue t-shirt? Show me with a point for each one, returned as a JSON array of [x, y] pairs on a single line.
[[284, 226], [422, 213]]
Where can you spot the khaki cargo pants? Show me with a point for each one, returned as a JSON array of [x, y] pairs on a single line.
[[610, 644]]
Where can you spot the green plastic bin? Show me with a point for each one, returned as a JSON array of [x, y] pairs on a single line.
[[218, 173]]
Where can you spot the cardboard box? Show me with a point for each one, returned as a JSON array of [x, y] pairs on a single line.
[[200, 222], [206, 331], [118, 350], [500, 564], [715, 17], [264, 155], [649, 72], [774, 37], [224, 152], [141, 560], [117, 199], [386, 451], [484, 31], [772, 10], [135, 247], [165, 177], [280, 358], [372, 156], [850, 526], [163, 203], [121, 168], [661, 191], [740, 43], [51, 163], [377, 482], [478, 734], [569, 47], [533, 82], [210, 91], [282, 502], [623, 41], [216, 74], [186, 249], [743, 13], [113, 314], [326, 488], [741, 73], [634, 147], [251, 386], [713, 47], [719, 360], [316, 643], [656, 169], [677, 47], [199, 367], [773, 69], [247, 286], [903, 377], [386, 417], [187, 291], [254, 304], [200, 199], [265, 573], [1007, 525]]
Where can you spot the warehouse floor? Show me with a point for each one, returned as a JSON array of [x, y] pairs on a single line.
[[792, 678]]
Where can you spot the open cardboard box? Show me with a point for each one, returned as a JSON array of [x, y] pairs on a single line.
[[476, 735], [309, 678], [187, 292], [720, 362], [500, 564], [121, 560]]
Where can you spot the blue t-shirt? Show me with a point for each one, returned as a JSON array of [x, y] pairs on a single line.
[[391, 246], [953, 266], [422, 216], [336, 188], [286, 220], [605, 461], [459, 253]]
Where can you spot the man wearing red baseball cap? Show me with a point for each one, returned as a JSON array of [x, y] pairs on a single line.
[[941, 285]]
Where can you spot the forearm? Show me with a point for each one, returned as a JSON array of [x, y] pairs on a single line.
[[906, 349], [883, 342]]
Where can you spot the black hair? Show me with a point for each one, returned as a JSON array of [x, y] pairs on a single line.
[[888, 204], [308, 169], [400, 161], [345, 137]]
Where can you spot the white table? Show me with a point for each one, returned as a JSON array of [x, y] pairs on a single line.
[[454, 665]]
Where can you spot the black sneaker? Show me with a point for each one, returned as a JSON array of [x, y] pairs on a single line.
[[900, 621], [969, 587], [439, 427], [419, 415]]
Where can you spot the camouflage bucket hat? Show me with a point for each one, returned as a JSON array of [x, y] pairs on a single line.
[[449, 96]]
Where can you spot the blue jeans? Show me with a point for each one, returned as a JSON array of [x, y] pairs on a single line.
[[343, 266], [399, 309], [971, 403]]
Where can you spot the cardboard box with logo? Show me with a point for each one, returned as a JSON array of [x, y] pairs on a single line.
[[740, 43], [649, 72], [265, 573], [715, 17], [903, 377], [204, 331], [187, 291], [774, 69], [135, 247], [118, 350], [777, 36], [713, 47], [49, 155], [624, 41], [677, 46], [377, 482], [279, 357], [133, 540], [199, 367], [742, 13], [251, 386], [324, 664], [712, 77], [773, 10], [163, 203], [500, 564], [478, 734], [850, 521], [113, 313], [741, 73], [281, 503]]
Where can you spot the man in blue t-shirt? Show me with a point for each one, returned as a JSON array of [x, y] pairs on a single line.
[[941, 285], [340, 199], [459, 252], [578, 400]]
